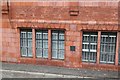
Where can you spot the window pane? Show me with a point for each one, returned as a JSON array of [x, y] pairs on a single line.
[[29, 35], [54, 54], [108, 42], [61, 54], [24, 51], [30, 52], [29, 47], [38, 35], [39, 52], [61, 36], [54, 45], [23, 34], [45, 35], [55, 36], [85, 56], [85, 37], [92, 56], [89, 46], [42, 43], [26, 43], [29, 43], [45, 53], [38, 43], [58, 44], [23, 42], [93, 38], [45, 43], [61, 44]]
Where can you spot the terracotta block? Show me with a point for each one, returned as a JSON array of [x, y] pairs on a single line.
[[67, 27], [115, 28], [62, 26], [69, 43]]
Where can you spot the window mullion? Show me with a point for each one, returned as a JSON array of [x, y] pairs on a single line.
[[42, 43], [58, 46], [27, 42], [89, 48]]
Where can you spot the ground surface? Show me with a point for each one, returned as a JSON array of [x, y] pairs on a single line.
[[10, 70]]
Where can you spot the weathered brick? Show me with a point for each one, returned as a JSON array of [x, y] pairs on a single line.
[[93, 16]]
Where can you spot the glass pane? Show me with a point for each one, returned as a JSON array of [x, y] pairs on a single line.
[[112, 39], [110, 58], [93, 38], [61, 44], [38, 35], [85, 37], [93, 46], [45, 35], [54, 36], [38, 43], [103, 58], [61, 54], [54, 45], [29, 42], [92, 56], [23, 43], [45, 53], [30, 52], [39, 52], [45, 44], [24, 51], [29, 34], [104, 38], [85, 56], [23, 34], [61, 36], [54, 54], [85, 45]]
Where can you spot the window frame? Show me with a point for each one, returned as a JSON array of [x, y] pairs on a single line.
[[88, 52], [58, 40], [26, 30], [107, 53], [42, 31]]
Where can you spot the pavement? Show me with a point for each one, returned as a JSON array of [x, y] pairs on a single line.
[[13, 70]]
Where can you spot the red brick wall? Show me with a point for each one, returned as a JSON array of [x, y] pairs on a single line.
[[100, 16], [86, 13]]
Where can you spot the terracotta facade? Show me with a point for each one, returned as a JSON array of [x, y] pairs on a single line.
[[73, 17]]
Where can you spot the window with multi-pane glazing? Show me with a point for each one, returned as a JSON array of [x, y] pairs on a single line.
[[26, 43], [42, 43], [89, 46], [119, 56], [58, 44], [108, 47]]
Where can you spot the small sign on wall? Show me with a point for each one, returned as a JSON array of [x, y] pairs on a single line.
[[72, 48]]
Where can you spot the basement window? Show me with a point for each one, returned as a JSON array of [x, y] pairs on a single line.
[[108, 47], [58, 44], [42, 43], [26, 43], [89, 47]]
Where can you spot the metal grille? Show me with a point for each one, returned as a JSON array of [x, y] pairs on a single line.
[[108, 47], [89, 47], [57, 44], [42, 43], [26, 43]]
